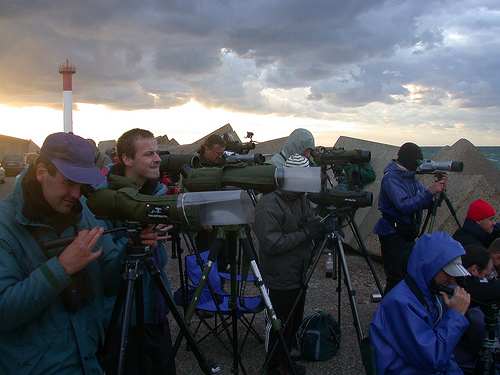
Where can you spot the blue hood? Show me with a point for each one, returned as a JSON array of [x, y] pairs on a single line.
[[408, 337], [430, 254]]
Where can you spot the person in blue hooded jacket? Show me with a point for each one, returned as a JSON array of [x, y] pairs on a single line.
[[52, 299], [139, 165], [402, 199], [415, 330]]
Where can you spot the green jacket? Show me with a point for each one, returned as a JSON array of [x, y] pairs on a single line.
[[37, 334]]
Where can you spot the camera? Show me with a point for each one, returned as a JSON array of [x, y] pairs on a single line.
[[432, 167], [331, 155]]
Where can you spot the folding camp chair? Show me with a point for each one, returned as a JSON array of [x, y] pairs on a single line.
[[217, 304]]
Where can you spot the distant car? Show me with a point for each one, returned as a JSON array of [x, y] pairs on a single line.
[[2, 175], [13, 164]]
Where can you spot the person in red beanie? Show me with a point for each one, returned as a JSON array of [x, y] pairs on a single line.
[[479, 226]]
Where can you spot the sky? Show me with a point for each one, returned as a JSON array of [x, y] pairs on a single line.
[[387, 71]]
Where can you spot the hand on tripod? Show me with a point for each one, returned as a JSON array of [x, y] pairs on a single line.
[[439, 185], [78, 253], [315, 229], [151, 234]]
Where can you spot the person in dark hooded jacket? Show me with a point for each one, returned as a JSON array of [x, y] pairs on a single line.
[[415, 331], [401, 202], [285, 227], [479, 226]]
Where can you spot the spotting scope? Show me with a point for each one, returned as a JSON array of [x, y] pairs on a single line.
[[342, 199], [228, 207], [262, 178], [231, 157], [431, 166], [331, 155], [172, 164]]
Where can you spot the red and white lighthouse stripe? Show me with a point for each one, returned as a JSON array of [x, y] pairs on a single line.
[[67, 70]]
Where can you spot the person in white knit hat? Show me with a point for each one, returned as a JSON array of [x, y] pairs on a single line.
[[286, 227]]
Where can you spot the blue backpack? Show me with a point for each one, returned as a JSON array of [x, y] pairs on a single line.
[[318, 337]]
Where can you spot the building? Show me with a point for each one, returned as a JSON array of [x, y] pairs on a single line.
[[18, 146]]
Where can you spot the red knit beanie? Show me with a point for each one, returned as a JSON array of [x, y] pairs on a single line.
[[480, 210]]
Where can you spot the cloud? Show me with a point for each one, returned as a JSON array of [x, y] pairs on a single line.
[[325, 59]]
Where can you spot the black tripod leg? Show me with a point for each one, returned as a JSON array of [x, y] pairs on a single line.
[[364, 252], [259, 283], [233, 303], [452, 209], [316, 257], [131, 277], [350, 291], [139, 315], [156, 276], [426, 221]]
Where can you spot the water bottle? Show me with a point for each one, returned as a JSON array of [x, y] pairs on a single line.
[[329, 265]]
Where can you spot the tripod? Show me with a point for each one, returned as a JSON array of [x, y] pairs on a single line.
[[334, 241], [139, 259], [430, 217], [224, 237], [487, 355]]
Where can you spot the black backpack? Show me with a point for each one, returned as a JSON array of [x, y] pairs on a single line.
[[318, 337]]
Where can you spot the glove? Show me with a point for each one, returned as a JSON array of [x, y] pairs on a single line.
[[315, 229]]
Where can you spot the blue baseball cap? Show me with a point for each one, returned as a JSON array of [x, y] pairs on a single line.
[[73, 156]]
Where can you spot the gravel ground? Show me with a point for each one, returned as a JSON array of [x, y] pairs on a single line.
[[321, 295]]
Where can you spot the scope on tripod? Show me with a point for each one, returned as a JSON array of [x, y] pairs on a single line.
[[230, 157], [172, 164], [228, 207], [330, 155], [431, 166], [342, 199], [263, 178], [240, 147]]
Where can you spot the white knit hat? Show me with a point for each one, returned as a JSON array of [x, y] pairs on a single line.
[[297, 161]]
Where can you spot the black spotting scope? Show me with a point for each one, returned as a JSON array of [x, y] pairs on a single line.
[[244, 158], [431, 166], [172, 164], [332, 155], [342, 199]]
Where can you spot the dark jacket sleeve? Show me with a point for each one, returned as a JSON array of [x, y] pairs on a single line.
[[402, 200], [23, 299], [272, 239]]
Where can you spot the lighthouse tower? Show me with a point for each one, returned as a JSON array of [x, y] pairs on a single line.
[[67, 70]]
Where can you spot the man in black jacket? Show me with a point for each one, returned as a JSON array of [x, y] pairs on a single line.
[[479, 226], [286, 227]]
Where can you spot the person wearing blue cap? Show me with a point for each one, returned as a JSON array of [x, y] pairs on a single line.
[[416, 328], [51, 299]]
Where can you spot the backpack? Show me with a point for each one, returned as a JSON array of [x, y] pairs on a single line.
[[318, 337]]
